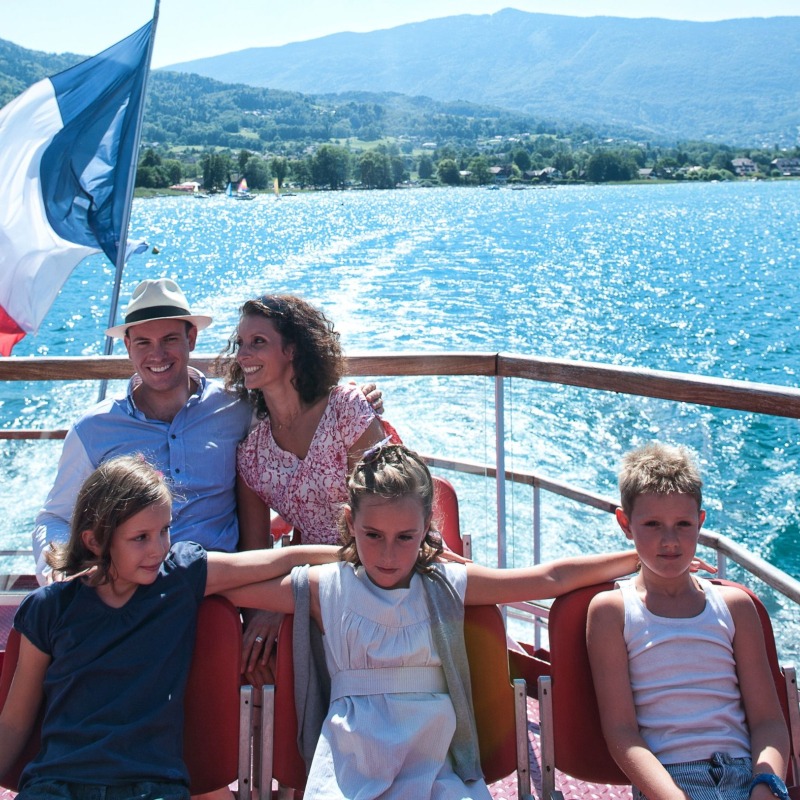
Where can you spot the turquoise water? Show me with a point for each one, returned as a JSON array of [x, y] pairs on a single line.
[[693, 278]]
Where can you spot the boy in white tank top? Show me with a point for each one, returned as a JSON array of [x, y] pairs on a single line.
[[687, 701]]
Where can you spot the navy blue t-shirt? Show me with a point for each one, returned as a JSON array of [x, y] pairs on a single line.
[[114, 689]]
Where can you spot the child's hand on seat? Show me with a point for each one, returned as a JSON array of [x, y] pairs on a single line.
[[698, 564]]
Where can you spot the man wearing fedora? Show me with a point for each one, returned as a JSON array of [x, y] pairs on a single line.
[[185, 424]]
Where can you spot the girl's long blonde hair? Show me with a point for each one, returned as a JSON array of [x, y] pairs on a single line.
[[113, 493], [390, 472]]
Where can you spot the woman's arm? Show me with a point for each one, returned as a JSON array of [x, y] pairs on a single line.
[[260, 627], [22, 704], [230, 570], [609, 659], [253, 514], [769, 739], [486, 586]]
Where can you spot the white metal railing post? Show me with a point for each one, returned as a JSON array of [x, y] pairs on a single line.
[[722, 564], [537, 557], [500, 444]]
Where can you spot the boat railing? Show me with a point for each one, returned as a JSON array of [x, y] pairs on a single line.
[[678, 387]]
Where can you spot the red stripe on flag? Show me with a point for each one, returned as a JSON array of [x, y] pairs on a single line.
[[10, 333]]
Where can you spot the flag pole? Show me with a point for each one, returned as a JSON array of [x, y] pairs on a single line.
[[126, 214]]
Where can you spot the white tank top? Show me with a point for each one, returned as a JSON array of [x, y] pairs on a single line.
[[683, 677]]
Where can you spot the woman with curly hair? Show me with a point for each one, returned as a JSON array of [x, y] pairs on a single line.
[[312, 431]]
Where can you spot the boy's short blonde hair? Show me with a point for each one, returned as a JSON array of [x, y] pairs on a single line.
[[660, 469]]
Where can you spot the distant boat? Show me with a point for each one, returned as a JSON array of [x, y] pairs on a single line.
[[243, 193], [198, 195], [229, 190]]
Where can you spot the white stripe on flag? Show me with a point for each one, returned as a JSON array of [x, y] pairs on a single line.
[[34, 260]]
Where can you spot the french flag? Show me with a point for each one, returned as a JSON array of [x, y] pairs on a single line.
[[66, 150]]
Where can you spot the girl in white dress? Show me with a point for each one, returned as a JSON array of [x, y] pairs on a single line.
[[390, 727]]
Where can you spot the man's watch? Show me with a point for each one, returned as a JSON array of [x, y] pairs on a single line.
[[775, 784]]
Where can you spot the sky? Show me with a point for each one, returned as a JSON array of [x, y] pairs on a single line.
[[189, 29]]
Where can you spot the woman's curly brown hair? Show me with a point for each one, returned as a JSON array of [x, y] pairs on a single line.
[[391, 471], [318, 360], [116, 491]]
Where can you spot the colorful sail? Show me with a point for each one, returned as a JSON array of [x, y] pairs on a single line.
[[243, 185], [66, 147]]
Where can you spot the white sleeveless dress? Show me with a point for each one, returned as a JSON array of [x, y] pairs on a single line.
[[389, 728]]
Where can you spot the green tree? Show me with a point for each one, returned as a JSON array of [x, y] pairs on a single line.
[[399, 171], [301, 172], [216, 170], [174, 171], [375, 170], [666, 166], [722, 161], [150, 159], [330, 166], [425, 168], [447, 170], [279, 168], [522, 159], [563, 162], [479, 168], [256, 172], [605, 165], [244, 156]]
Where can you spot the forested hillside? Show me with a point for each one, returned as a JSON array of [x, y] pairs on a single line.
[[734, 80]]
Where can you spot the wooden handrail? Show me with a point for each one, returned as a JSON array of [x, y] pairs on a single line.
[[75, 368], [758, 398]]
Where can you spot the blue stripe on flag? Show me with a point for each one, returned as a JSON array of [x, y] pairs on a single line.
[[84, 170]]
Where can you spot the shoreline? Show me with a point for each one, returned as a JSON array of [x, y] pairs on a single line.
[[148, 194]]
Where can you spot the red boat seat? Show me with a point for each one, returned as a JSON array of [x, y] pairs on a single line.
[[572, 737], [445, 514], [500, 708], [211, 707]]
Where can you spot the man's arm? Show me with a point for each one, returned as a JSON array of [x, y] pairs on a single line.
[[53, 521], [612, 683], [769, 739]]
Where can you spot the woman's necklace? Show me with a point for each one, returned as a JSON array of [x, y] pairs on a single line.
[[290, 420]]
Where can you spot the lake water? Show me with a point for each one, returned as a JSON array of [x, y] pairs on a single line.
[[693, 278]]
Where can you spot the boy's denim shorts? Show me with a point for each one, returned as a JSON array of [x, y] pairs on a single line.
[[719, 778], [43, 789]]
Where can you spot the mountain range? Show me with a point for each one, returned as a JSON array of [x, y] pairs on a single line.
[[734, 80]]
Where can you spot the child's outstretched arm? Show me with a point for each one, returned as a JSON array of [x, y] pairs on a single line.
[[769, 739], [486, 586], [273, 595], [231, 570], [609, 659], [22, 704]]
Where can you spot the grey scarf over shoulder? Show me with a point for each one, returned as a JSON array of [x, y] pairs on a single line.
[[312, 684]]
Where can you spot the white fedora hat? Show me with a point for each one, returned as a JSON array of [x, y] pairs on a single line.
[[157, 299]]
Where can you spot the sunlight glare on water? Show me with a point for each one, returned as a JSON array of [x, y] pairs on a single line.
[[692, 278]]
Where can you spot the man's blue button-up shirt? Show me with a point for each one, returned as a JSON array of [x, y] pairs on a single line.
[[197, 451]]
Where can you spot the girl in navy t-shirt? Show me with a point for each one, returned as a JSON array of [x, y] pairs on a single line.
[[109, 650]]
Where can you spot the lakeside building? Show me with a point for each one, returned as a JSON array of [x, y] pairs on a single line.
[[787, 166], [744, 166]]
